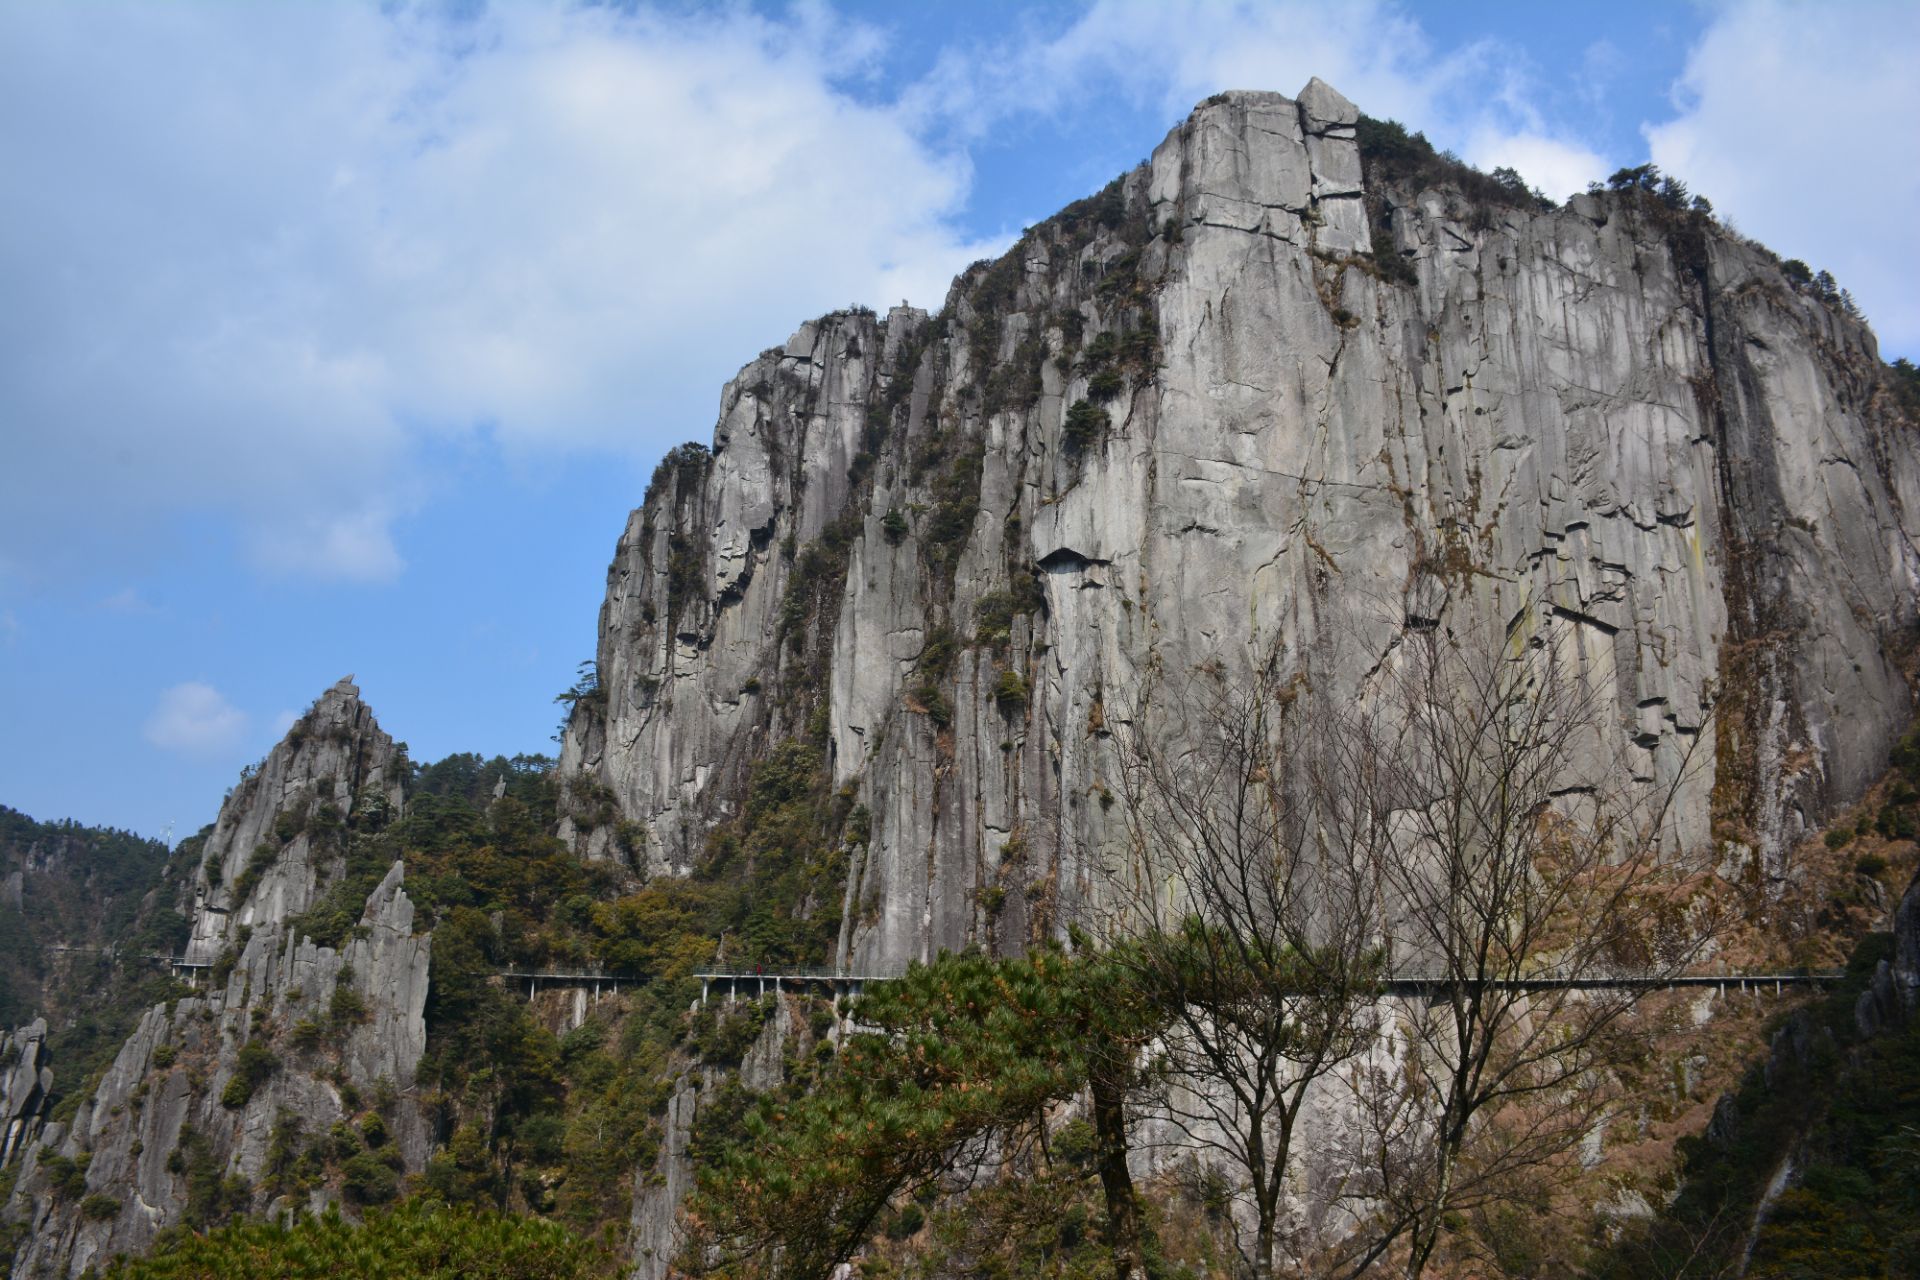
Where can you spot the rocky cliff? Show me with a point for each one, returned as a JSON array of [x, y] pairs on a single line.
[[233, 1097], [1268, 400], [26, 1083]]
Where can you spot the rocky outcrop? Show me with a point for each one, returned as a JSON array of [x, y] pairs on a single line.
[[654, 1228], [26, 1087], [214, 1099], [1251, 405], [1893, 995], [274, 846]]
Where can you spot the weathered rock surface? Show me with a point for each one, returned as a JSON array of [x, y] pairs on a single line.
[[654, 1226], [333, 760], [336, 1020], [1894, 994], [1627, 431], [26, 1083]]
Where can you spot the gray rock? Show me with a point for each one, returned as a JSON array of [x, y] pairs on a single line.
[[1325, 109], [1905, 967], [333, 761], [1671, 458], [172, 1073], [26, 1087]]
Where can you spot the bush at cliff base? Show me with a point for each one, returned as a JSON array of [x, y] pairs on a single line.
[[417, 1239]]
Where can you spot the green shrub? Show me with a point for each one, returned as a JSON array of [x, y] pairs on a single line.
[[1010, 692], [1839, 837], [367, 1179], [66, 1175], [894, 526], [289, 824], [1103, 350], [1086, 425], [1871, 865], [223, 964], [1076, 1145], [994, 614], [251, 1068], [346, 1009], [99, 1208], [418, 1240], [934, 703], [213, 1196], [1106, 385], [256, 869]]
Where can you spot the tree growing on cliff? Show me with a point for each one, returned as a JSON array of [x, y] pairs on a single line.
[[954, 1067], [420, 1240]]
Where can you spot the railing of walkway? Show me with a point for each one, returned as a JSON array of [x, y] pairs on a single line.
[[1403, 982]]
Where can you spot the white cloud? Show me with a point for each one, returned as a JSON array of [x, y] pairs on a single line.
[[262, 260], [1478, 98], [1798, 121], [128, 600], [259, 256], [195, 717], [1558, 168], [1173, 54], [357, 546]]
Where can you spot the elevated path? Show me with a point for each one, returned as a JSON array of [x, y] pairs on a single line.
[[756, 981]]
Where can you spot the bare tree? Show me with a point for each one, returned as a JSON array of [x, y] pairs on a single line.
[[1247, 917], [1532, 897]]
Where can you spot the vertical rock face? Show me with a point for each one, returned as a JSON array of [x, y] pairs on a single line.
[[260, 865], [214, 1094], [1247, 407], [26, 1081]]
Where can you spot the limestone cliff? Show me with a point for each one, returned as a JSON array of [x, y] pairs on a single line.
[[212, 1103], [1265, 400]]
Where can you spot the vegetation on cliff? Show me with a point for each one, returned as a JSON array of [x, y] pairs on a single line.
[[84, 942], [417, 1241]]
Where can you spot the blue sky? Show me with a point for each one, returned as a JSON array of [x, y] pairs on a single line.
[[341, 338]]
